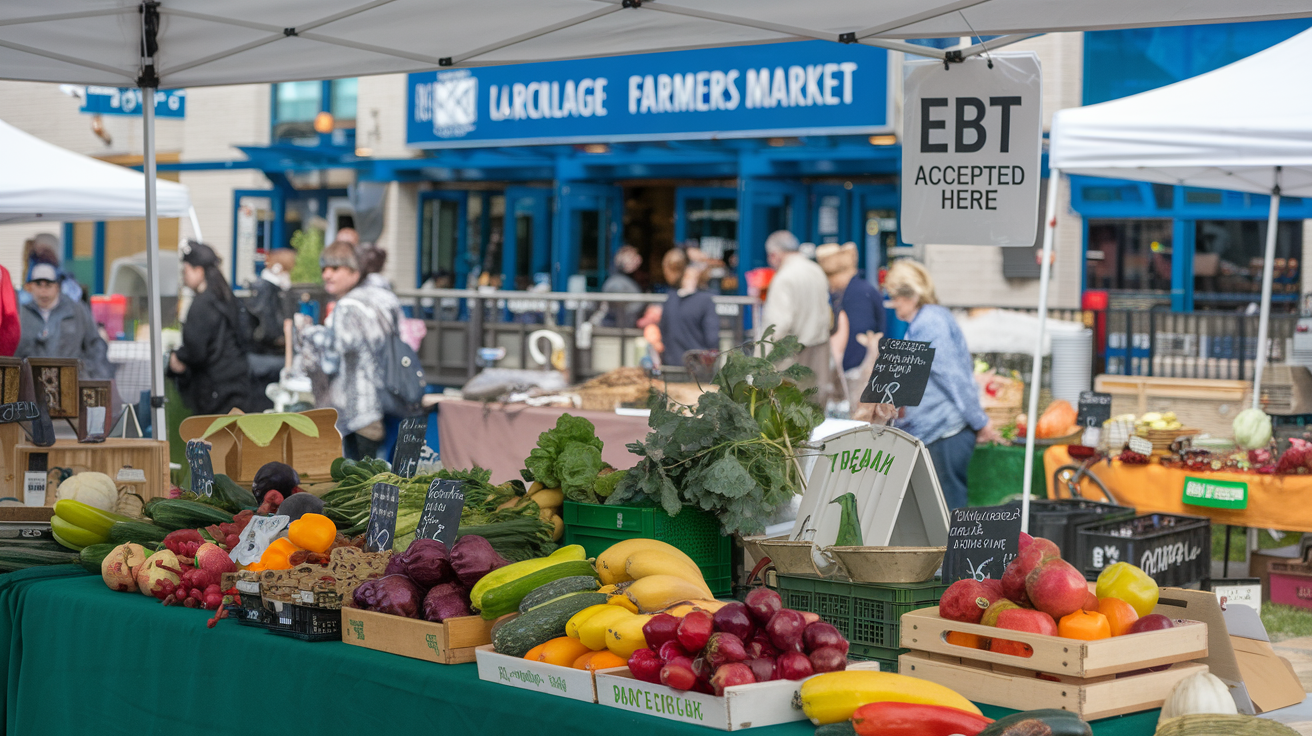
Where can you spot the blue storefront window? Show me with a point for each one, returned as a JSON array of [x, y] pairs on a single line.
[[296, 104]]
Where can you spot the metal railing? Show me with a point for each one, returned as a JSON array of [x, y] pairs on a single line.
[[1191, 344]]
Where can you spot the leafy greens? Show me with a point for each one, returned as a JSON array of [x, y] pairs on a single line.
[[567, 457]]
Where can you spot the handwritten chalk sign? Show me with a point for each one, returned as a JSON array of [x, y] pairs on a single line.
[[409, 442], [900, 374], [19, 411], [1095, 408], [981, 542], [441, 515], [202, 468], [379, 535]]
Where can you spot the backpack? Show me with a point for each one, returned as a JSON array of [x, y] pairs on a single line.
[[261, 317]]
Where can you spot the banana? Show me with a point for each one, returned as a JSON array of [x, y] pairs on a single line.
[[610, 564], [658, 592], [592, 632], [683, 608], [658, 562], [834, 696], [624, 637], [572, 626]]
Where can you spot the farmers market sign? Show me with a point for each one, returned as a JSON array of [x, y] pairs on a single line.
[[1217, 494]]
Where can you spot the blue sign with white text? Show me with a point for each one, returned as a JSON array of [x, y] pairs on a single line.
[[801, 88], [169, 103]]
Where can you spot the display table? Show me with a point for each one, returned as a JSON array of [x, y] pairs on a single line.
[[499, 436], [1274, 501], [82, 654]]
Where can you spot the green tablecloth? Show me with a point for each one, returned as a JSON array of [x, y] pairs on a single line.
[[998, 471], [83, 658]]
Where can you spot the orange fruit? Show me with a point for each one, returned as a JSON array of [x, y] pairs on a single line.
[[1085, 625], [582, 662], [562, 651], [535, 654], [602, 660], [1120, 615], [970, 641]]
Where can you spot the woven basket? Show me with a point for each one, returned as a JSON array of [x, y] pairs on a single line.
[[607, 398]]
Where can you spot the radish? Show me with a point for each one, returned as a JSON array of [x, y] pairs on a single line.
[[763, 604], [828, 659], [723, 648], [786, 629], [728, 675], [734, 618], [794, 666], [669, 650], [679, 678], [646, 665], [821, 634]]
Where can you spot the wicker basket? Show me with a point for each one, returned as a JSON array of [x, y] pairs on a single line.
[[609, 397], [1162, 438]]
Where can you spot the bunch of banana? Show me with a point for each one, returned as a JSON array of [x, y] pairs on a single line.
[[650, 576]]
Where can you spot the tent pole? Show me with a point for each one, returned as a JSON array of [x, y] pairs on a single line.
[[1268, 268], [158, 430], [1045, 276]]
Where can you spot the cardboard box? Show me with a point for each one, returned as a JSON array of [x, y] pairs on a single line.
[[540, 677], [1238, 651], [741, 706], [237, 457], [450, 642]]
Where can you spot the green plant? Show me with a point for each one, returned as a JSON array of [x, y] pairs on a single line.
[[308, 244], [734, 454]]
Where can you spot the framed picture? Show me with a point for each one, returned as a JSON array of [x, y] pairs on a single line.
[[95, 410], [10, 377], [55, 381]]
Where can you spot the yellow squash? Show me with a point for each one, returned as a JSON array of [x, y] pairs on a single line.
[[592, 632], [572, 626], [624, 637], [659, 562], [610, 564], [658, 592], [834, 696]]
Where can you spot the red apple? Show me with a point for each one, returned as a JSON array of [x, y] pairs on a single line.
[[964, 600], [1027, 619], [990, 617], [1013, 584], [993, 589], [1014, 648], [1151, 622], [1038, 550], [1025, 540], [1056, 587]]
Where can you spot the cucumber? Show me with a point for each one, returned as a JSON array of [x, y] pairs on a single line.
[[172, 514], [232, 496], [139, 532], [17, 558], [505, 598], [92, 557], [558, 588], [518, 635]]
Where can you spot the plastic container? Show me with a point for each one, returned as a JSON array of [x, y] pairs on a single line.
[[867, 614], [251, 611], [1058, 520], [307, 623], [1174, 550], [695, 532], [110, 310]]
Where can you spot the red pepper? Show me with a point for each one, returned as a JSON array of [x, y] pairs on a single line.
[[912, 719]]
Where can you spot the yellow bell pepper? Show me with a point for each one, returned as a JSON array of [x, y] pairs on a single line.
[[1130, 584], [314, 532], [278, 555]]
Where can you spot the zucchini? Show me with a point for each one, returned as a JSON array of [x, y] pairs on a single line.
[[92, 557], [139, 532], [172, 514], [557, 588], [17, 558], [1045, 721], [505, 598], [232, 496], [517, 635], [842, 728]]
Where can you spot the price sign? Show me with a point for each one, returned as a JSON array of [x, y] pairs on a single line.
[[900, 374], [409, 442], [441, 515], [382, 517], [981, 542], [202, 468], [19, 411], [1095, 408]]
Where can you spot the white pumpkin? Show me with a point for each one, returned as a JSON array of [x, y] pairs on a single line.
[[1200, 693]]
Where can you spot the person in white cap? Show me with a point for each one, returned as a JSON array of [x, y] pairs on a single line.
[[56, 326]]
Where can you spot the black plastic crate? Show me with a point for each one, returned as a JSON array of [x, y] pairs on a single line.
[[307, 623], [251, 611], [1174, 550], [1058, 519]]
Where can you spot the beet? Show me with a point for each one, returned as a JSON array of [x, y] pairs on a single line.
[[761, 648], [472, 557], [723, 648], [394, 594], [646, 666], [762, 668], [734, 618], [694, 631], [427, 562], [828, 659], [763, 604], [793, 666], [786, 629], [728, 675], [660, 629], [820, 635]]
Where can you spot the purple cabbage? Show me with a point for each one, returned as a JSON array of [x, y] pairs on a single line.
[[472, 557], [447, 600], [396, 595], [427, 562]]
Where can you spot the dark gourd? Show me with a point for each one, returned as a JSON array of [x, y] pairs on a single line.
[[1047, 721], [523, 632], [558, 588]]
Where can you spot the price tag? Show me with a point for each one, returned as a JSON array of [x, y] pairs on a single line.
[[409, 442], [202, 469], [441, 515], [379, 535], [900, 374], [981, 542], [34, 488], [131, 475], [19, 411], [1095, 408]]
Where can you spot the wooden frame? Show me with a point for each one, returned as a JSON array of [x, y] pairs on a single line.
[[11, 371], [55, 382], [93, 395]]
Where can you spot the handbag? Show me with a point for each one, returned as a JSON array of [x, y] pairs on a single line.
[[403, 377]]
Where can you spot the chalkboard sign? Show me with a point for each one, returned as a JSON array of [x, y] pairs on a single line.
[[900, 374], [981, 542], [409, 442], [441, 515], [18, 411], [1095, 408], [382, 517], [202, 468]]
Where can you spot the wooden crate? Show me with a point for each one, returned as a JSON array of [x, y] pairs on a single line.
[[1018, 689], [925, 631], [108, 457], [451, 642], [1210, 405]]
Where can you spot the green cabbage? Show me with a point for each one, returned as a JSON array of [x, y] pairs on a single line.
[[1252, 429]]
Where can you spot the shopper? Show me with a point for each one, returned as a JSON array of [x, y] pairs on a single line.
[[625, 314], [44, 248], [797, 304], [688, 320], [857, 304], [344, 356], [949, 419], [372, 261], [54, 325], [211, 366], [268, 302]]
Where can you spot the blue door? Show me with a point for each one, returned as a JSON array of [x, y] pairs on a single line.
[[830, 221], [443, 247], [527, 233], [764, 207], [588, 233]]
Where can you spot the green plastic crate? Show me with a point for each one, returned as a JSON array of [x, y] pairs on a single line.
[[695, 532], [885, 656], [867, 614]]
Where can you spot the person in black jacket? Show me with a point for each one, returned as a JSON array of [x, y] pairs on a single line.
[[211, 367], [688, 319]]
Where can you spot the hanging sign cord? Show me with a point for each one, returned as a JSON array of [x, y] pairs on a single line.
[[977, 37]]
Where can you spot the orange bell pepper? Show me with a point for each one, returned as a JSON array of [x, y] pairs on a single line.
[[1086, 625], [314, 532], [278, 555]]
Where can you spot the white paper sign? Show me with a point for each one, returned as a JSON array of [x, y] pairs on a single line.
[[972, 137]]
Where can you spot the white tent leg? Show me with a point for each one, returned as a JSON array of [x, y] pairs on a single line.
[[158, 430], [195, 225], [1268, 266], [1045, 276]]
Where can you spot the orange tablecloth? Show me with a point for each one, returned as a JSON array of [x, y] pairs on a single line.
[[1274, 501]]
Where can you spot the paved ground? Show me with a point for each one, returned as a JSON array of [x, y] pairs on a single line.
[[1299, 653]]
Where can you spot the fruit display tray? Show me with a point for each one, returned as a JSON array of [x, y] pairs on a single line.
[[925, 631], [550, 679]]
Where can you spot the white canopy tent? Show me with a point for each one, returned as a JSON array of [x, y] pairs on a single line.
[[187, 43], [1244, 127], [41, 182]]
